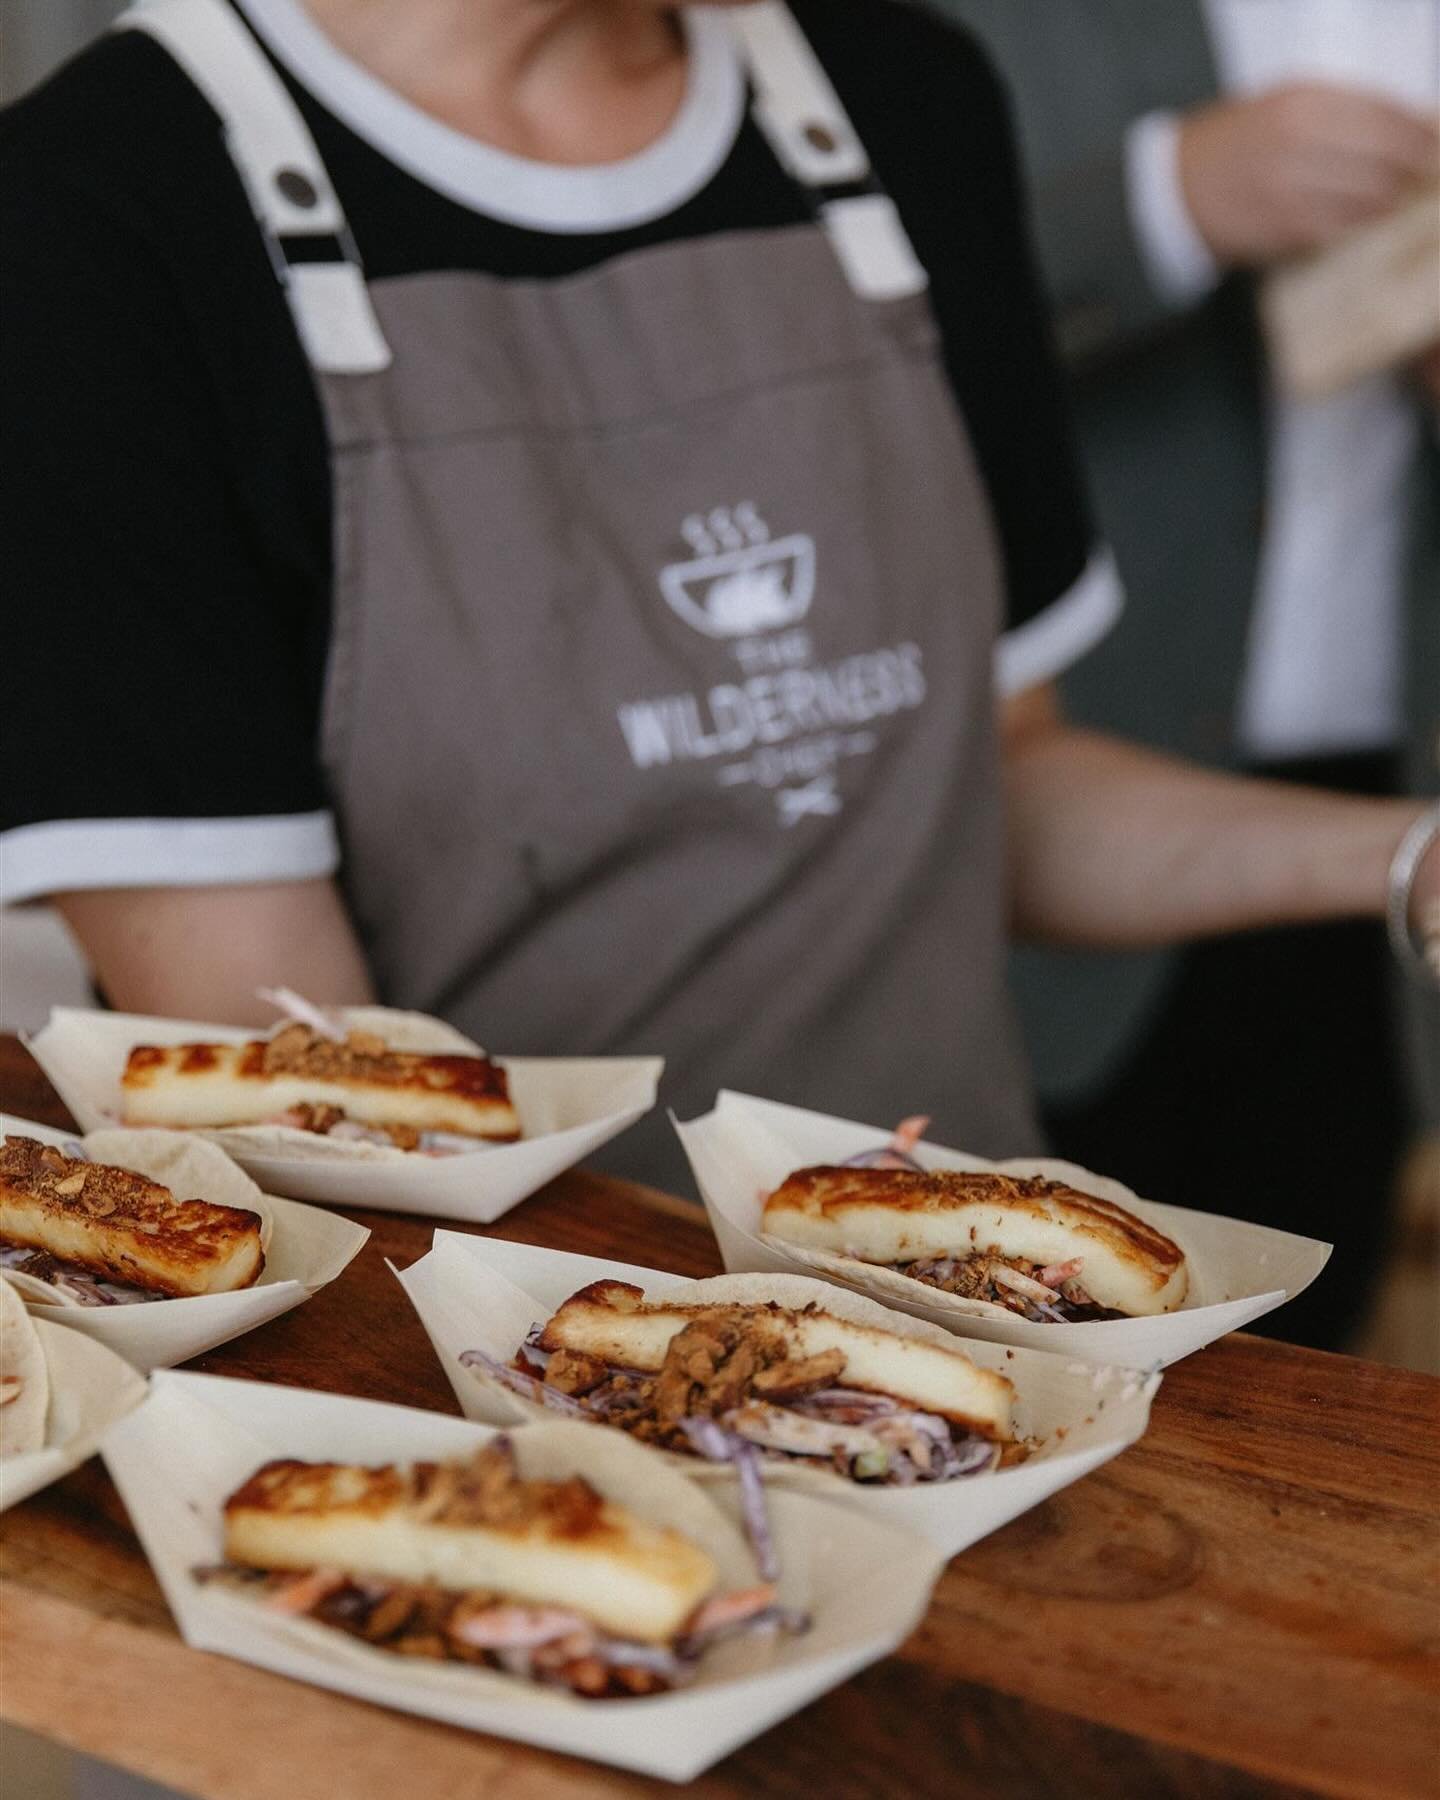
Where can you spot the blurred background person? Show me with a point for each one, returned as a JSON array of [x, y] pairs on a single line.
[[1282, 559]]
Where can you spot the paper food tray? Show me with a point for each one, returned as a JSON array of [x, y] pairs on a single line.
[[477, 1293], [305, 1248], [90, 1388], [197, 1437], [746, 1147], [568, 1106]]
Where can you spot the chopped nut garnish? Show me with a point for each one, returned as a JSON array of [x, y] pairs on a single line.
[[47, 1185], [363, 1055], [288, 1045]]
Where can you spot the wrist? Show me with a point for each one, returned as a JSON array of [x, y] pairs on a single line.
[[1177, 259], [1412, 900]]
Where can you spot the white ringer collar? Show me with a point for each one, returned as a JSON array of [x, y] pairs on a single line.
[[544, 196]]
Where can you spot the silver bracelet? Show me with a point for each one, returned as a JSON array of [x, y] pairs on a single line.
[[1400, 887]]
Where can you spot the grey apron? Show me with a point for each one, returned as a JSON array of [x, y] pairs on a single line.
[[659, 714]]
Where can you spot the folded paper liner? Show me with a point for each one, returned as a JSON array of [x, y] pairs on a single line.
[[742, 1150], [305, 1248], [177, 1458], [568, 1108], [90, 1388], [477, 1293], [24, 1379]]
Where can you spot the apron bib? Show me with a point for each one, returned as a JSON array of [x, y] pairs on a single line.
[[659, 714]]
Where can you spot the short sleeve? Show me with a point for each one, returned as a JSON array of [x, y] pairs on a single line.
[[160, 707]]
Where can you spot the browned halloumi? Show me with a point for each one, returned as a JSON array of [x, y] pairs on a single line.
[[612, 1322], [465, 1527], [120, 1226], [213, 1085], [899, 1216]]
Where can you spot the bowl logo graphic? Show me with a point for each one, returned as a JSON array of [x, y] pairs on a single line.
[[743, 583]]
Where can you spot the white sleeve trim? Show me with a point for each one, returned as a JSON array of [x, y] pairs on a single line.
[[1176, 257], [53, 858], [1045, 646]]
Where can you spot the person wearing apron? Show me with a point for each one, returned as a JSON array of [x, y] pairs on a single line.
[[658, 709]]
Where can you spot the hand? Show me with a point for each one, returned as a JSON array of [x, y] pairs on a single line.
[[1291, 169]]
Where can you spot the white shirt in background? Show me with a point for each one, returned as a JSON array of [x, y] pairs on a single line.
[[1323, 672]]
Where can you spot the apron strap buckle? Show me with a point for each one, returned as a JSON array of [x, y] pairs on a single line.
[[298, 211]]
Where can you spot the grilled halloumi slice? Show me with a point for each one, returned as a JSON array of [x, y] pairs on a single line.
[[898, 1216], [120, 1226], [611, 1321], [543, 1543], [212, 1085]]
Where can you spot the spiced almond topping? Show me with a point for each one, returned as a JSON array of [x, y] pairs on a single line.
[[290, 1048], [297, 1049], [48, 1174]]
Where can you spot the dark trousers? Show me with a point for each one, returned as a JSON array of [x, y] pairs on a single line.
[[1269, 1087]]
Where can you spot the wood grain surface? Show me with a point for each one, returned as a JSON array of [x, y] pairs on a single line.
[[1246, 1603]]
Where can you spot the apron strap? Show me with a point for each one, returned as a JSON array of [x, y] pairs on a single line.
[[807, 127], [300, 216]]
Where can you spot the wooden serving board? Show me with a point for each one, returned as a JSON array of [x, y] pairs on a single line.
[[1247, 1603]]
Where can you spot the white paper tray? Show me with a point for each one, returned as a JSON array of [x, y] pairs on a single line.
[[746, 1147], [90, 1389], [477, 1293], [305, 1248], [197, 1437], [568, 1106]]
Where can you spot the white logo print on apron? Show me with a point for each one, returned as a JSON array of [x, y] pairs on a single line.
[[740, 582], [659, 711], [784, 722]]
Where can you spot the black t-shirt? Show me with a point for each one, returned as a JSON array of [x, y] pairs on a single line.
[[166, 517]]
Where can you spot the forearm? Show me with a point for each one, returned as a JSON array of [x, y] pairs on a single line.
[[1113, 846], [201, 953]]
